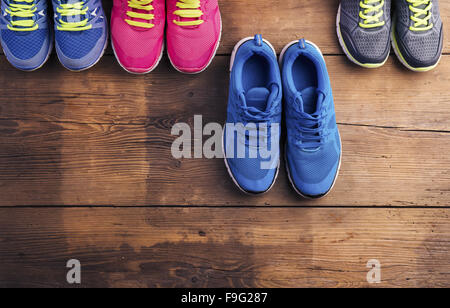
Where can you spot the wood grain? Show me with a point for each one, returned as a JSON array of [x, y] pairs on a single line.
[[99, 164], [102, 139], [282, 21], [108, 95], [225, 247], [105, 138]]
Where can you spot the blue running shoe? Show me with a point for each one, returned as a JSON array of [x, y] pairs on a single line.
[[81, 33], [313, 144], [252, 132], [26, 37]]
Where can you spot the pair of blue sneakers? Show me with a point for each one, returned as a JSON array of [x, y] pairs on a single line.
[[80, 32], [253, 129]]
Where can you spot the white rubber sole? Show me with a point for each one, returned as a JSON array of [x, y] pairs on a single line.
[[345, 49], [136, 73], [210, 61], [233, 57]]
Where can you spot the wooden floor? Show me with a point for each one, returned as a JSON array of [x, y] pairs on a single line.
[[86, 173]]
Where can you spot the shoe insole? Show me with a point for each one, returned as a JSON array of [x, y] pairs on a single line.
[[305, 79], [309, 96], [257, 98], [256, 73]]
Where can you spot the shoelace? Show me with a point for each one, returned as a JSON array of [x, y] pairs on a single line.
[[189, 9], [251, 115], [422, 14], [311, 134], [144, 5], [371, 13], [311, 130], [70, 10], [25, 10]]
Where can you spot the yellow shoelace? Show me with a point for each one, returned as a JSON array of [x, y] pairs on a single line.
[[66, 10], [189, 9], [421, 16], [371, 20], [25, 10], [144, 5]]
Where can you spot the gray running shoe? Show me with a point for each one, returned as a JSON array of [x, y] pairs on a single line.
[[363, 28], [417, 34]]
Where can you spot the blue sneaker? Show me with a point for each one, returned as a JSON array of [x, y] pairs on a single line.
[[81, 33], [252, 132], [313, 145], [26, 37]]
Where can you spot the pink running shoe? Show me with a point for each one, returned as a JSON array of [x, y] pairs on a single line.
[[137, 34], [193, 33]]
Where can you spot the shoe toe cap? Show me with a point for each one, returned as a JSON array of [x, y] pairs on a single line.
[[80, 50], [251, 179], [192, 52], [32, 56], [308, 185], [139, 59], [421, 50], [313, 173], [367, 47]]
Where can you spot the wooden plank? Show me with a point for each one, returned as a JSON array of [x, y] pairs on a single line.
[[47, 163], [225, 247], [105, 139], [282, 21], [390, 96]]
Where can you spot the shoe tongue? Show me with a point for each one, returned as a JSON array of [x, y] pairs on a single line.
[[69, 1], [374, 12], [311, 102], [257, 98], [422, 7]]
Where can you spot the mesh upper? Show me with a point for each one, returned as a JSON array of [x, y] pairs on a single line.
[[314, 167], [421, 45], [352, 9], [76, 45], [136, 43], [250, 168], [371, 43], [24, 45], [193, 47]]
